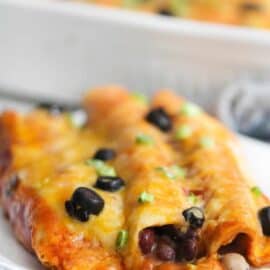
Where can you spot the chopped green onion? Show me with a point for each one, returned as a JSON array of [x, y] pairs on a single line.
[[256, 191], [140, 97], [144, 139], [172, 172], [207, 142], [101, 167], [183, 132], [122, 239], [192, 198], [146, 197], [190, 109]]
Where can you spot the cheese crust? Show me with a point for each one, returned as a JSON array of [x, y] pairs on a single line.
[[43, 160]]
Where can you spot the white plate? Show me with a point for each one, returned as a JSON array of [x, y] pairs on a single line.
[[13, 256]]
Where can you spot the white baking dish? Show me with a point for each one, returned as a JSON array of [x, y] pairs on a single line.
[[63, 47]]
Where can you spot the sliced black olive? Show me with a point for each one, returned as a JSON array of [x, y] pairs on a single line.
[[80, 214], [84, 202], [264, 215], [165, 12], [109, 183], [104, 154], [194, 216], [160, 119]]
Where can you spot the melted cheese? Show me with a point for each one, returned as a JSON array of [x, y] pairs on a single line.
[[58, 168], [60, 187], [51, 160]]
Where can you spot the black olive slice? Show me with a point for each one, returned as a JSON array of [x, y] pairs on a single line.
[[84, 202], [104, 154], [109, 183], [160, 119], [87, 200]]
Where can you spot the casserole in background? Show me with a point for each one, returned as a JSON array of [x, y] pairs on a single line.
[[252, 13], [68, 190], [52, 50]]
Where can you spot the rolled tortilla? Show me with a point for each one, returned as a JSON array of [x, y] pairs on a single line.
[[231, 208]]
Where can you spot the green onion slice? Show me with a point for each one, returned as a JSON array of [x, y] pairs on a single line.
[[101, 167], [172, 172], [146, 197], [122, 239], [256, 191], [183, 132], [190, 109], [144, 139], [207, 142]]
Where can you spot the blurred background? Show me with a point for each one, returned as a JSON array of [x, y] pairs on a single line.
[[214, 52]]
